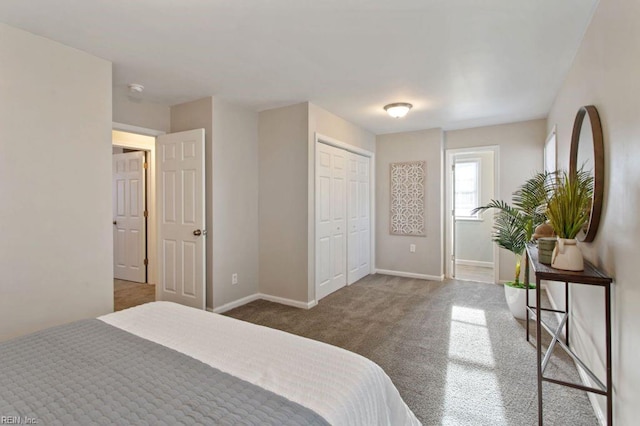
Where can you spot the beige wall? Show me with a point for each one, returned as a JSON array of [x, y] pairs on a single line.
[[56, 254], [283, 149], [329, 124], [235, 202], [521, 156], [286, 171], [138, 111], [605, 74], [199, 115], [231, 161], [392, 251]]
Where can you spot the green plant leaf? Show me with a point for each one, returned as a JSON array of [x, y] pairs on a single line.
[[515, 224], [569, 208]]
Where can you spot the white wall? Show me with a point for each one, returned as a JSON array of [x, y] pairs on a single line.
[[473, 237], [605, 74], [392, 251], [56, 254], [138, 111], [521, 156], [235, 202]]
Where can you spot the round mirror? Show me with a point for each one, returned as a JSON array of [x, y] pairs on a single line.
[[587, 152]]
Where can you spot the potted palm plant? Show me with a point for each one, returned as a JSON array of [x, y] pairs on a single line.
[[568, 211], [513, 228]]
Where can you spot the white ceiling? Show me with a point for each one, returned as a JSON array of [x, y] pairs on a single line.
[[462, 63]]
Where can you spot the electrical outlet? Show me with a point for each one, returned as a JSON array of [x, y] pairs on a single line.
[[412, 248], [234, 278]]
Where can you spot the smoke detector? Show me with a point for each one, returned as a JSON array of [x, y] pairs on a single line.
[[135, 88]]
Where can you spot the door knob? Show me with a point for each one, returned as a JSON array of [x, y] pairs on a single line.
[[115, 223], [197, 232]]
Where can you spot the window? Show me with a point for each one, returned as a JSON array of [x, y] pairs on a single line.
[[467, 186], [550, 152]]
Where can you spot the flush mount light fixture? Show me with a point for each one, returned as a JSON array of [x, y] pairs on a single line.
[[398, 109], [135, 88]]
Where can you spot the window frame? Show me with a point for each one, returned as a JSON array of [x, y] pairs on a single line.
[[478, 184]]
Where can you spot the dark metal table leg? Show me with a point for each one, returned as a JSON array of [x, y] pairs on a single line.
[[566, 309], [539, 350], [607, 310]]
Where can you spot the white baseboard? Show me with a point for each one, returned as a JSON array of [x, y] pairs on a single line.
[[586, 380], [479, 263], [260, 296], [288, 302], [410, 275], [236, 303]]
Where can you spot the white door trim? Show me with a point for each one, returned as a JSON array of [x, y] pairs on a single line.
[[311, 223], [136, 129], [150, 147], [129, 219], [450, 154]]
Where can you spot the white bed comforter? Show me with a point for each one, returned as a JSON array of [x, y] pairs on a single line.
[[341, 386]]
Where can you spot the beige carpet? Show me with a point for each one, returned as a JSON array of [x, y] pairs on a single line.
[[127, 294], [452, 348]]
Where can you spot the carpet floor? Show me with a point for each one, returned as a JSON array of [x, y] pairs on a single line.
[[452, 348], [127, 294]]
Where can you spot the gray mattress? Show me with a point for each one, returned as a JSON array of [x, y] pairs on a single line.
[[90, 372]]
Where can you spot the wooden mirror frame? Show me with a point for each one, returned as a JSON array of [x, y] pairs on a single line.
[[598, 166]]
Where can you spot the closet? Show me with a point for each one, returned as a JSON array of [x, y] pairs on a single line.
[[343, 218]]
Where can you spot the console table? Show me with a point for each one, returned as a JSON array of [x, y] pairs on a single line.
[[590, 276]]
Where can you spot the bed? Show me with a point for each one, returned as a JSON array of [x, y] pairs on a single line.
[[163, 363]]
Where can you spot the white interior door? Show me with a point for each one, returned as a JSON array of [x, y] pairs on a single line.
[[452, 213], [358, 211], [129, 239], [180, 189], [331, 220]]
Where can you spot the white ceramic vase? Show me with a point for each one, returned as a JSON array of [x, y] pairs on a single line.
[[516, 299], [567, 256]]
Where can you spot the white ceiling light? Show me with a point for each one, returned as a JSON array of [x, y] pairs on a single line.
[[398, 109], [135, 88]]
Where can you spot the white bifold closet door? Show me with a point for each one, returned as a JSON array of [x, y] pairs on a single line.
[[342, 219], [358, 242]]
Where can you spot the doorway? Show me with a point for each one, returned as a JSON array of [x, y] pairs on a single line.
[[471, 182], [134, 216], [176, 232], [129, 193]]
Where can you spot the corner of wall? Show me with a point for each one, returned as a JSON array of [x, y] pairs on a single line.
[[283, 201], [139, 111], [235, 216]]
